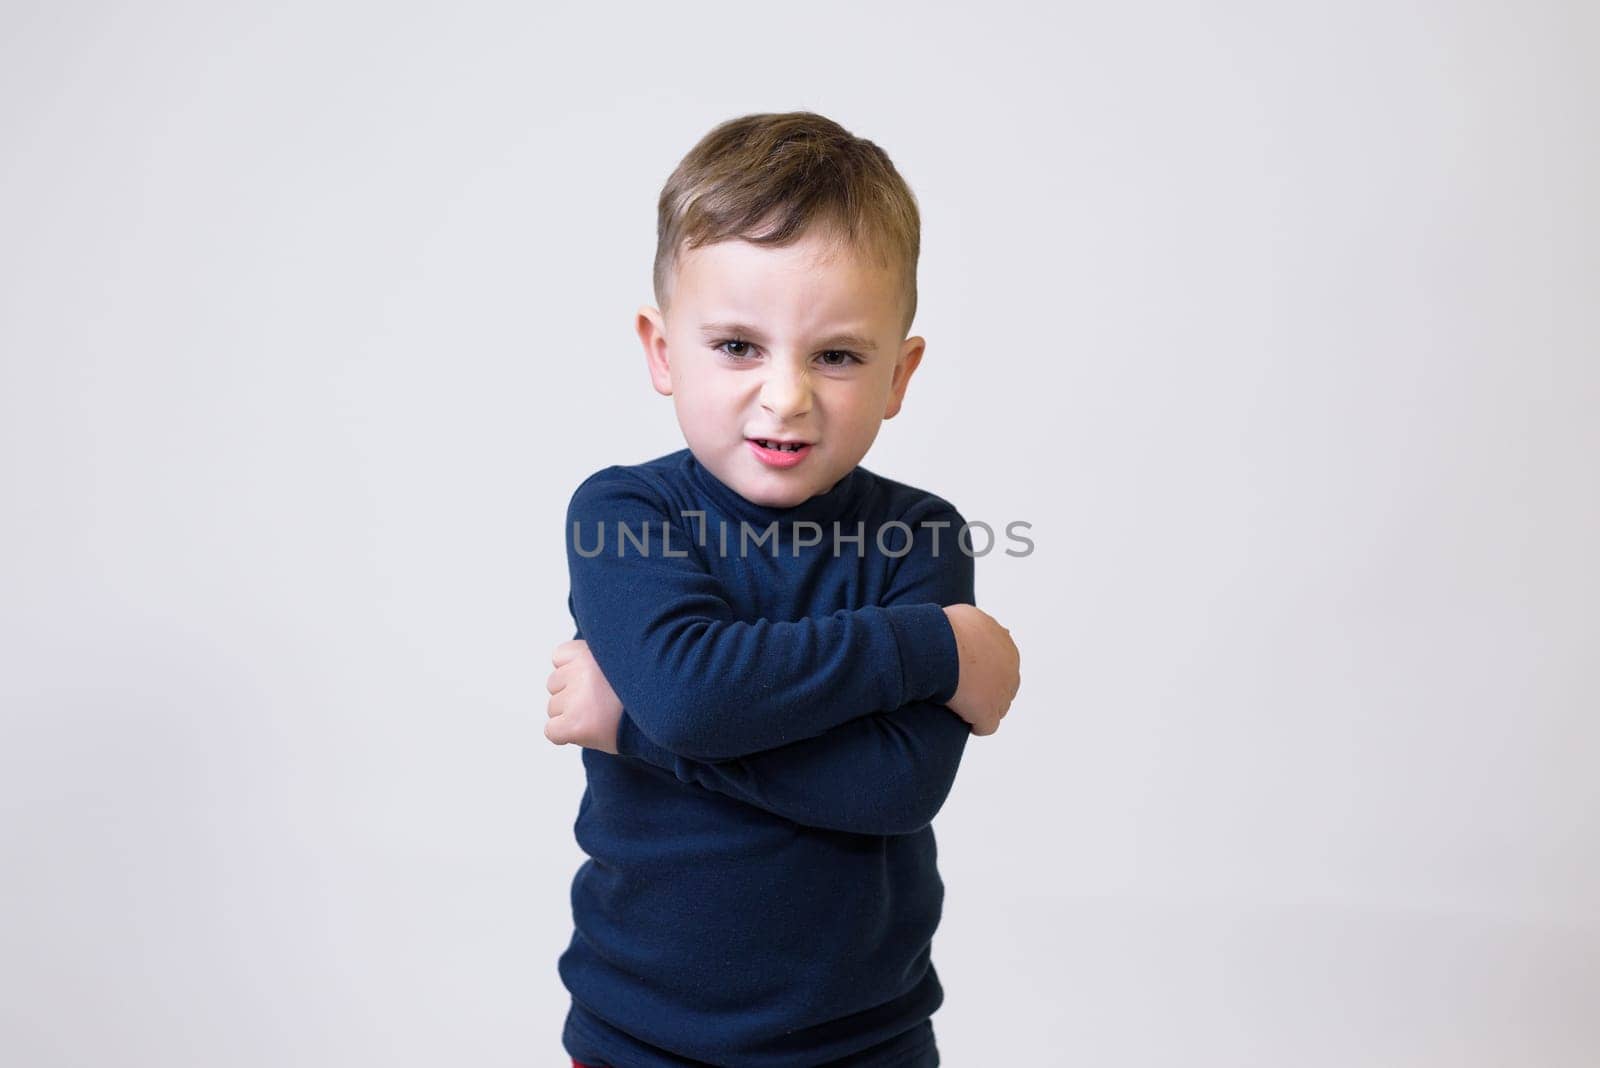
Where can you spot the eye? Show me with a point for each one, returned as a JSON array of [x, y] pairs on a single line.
[[721, 347], [848, 358]]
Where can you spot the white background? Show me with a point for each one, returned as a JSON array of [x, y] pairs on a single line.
[[1277, 321]]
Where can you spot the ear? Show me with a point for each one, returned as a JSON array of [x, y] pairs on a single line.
[[910, 357], [652, 330]]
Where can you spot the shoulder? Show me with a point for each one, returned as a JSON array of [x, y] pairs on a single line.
[[650, 482], [929, 565], [894, 500], [932, 551]]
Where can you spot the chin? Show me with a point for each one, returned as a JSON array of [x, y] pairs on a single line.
[[785, 500]]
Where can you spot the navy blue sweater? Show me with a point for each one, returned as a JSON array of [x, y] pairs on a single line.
[[762, 888]]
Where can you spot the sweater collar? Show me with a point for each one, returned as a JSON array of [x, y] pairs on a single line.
[[832, 504]]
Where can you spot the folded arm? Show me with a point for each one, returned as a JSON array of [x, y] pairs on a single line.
[[702, 684], [886, 773], [882, 773]]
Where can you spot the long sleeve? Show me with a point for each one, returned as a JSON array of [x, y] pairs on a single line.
[[702, 684], [883, 773]]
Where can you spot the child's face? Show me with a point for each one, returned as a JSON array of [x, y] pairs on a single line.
[[822, 361]]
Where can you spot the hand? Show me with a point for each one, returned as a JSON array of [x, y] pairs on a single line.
[[991, 668], [583, 706]]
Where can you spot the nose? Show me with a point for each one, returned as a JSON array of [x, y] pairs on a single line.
[[786, 390]]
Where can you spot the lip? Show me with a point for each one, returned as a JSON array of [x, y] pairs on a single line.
[[776, 458]]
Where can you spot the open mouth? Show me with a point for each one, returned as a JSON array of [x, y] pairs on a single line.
[[780, 454]]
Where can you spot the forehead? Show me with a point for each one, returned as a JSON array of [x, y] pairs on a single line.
[[812, 279]]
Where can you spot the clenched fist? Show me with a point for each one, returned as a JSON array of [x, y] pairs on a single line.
[[583, 707], [991, 668]]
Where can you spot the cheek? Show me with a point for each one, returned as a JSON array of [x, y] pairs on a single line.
[[864, 402], [708, 397], [711, 393]]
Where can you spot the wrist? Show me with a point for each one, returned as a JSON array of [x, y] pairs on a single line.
[[929, 656], [625, 730], [954, 652]]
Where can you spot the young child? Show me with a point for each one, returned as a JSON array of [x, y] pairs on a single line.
[[778, 658]]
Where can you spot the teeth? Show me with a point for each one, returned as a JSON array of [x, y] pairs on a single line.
[[781, 448]]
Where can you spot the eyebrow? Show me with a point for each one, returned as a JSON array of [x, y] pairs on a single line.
[[742, 330]]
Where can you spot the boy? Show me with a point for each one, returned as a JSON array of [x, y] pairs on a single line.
[[778, 659]]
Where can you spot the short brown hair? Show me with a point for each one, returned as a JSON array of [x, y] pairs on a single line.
[[769, 178]]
